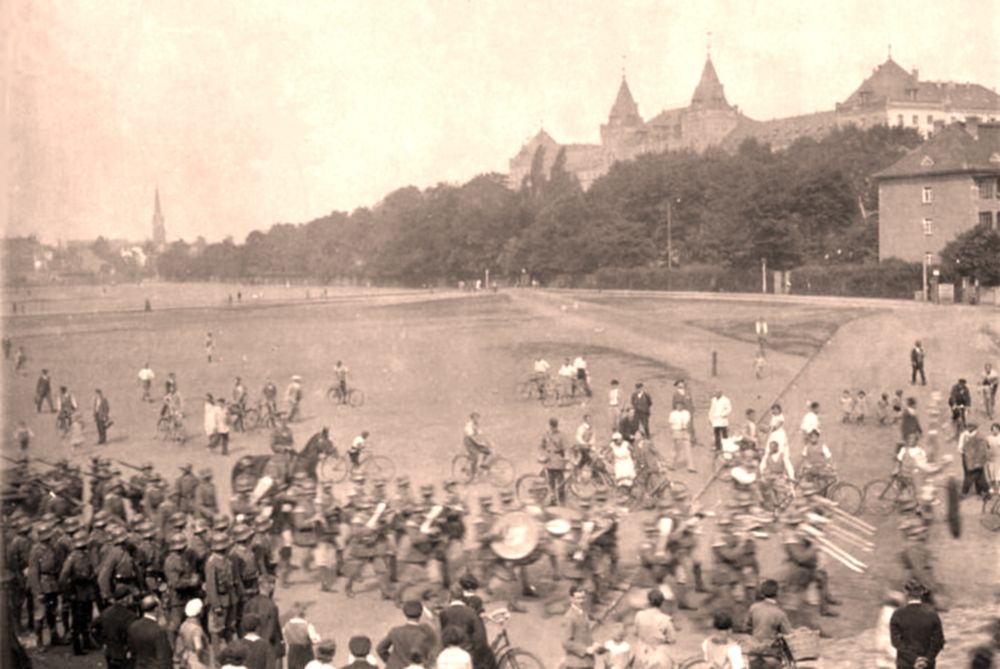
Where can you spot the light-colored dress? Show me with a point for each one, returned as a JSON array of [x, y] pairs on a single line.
[[193, 650], [624, 465]]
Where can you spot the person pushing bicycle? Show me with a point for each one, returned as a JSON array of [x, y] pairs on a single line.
[[340, 372], [476, 444], [817, 462], [357, 448]]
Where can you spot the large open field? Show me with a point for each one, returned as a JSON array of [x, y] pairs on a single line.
[[426, 360]]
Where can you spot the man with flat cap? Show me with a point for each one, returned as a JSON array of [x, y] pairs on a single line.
[[111, 629], [148, 644]]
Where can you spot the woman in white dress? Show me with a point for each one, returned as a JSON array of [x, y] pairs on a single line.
[[624, 465]]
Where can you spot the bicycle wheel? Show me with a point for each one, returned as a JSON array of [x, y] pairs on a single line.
[[355, 397], [501, 472], [378, 467], [526, 485], [334, 469], [525, 390], [518, 658], [333, 393], [847, 496], [881, 496], [691, 662], [461, 468], [582, 483], [991, 520], [550, 398]]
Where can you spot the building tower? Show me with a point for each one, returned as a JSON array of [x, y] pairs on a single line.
[[623, 134], [159, 230]]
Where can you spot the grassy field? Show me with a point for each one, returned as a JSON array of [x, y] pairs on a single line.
[[425, 361]]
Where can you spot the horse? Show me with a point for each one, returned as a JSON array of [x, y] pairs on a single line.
[[307, 460]]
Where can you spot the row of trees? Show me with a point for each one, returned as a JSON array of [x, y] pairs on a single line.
[[812, 203]]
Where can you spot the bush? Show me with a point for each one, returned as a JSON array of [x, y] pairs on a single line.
[[890, 279]]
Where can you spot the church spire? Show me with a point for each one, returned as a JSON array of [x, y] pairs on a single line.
[[709, 94], [624, 111], [159, 229]]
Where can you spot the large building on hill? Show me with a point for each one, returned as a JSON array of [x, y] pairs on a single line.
[[940, 189], [890, 96]]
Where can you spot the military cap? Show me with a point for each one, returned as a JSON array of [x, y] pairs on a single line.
[[221, 524], [146, 530], [71, 524], [600, 495], [427, 490], [449, 484], [220, 541], [200, 526], [583, 503], [81, 540], [117, 534], [262, 524], [179, 520], [486, 500], [205, 474], [379, 483], [299, 477], [187, 467], [358, 479], [242, 532], [176, 542], [46, 532], [506, 495], [650, 527], [402, 481]]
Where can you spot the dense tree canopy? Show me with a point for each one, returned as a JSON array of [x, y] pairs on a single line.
[[813, 202], [974, 254]]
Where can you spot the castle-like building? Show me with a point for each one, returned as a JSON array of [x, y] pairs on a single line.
[[890, 96]]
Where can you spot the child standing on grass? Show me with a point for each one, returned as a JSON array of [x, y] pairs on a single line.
[[23, 435], [76, 432], [846, 406], [897, 407], [882, 409], [860, 407], [758, 364]]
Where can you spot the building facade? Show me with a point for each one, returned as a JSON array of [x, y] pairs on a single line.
[[939, 190], [889, 96]]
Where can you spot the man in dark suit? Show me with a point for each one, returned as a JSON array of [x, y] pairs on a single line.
[[459, 614], [111, 628], [263, 606], [915, 630], [102, 416], [643, 404], [360, 647], [259, 654], [148, 643], [406, 640]]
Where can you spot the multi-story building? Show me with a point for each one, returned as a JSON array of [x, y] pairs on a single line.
[[890, 96], [939, 190]]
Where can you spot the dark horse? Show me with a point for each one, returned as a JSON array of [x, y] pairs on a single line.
[[307, 460]]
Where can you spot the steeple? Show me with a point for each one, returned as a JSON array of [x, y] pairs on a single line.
[[624, 112], [159, 229], [709, 94]]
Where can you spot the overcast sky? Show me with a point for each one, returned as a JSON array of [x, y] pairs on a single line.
[[251, 112]]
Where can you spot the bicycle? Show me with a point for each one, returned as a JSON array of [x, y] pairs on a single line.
[[527, 488], [845, 495], [991, 518], [64, 421], [556, 395], [353, 398], [776, 494], [171, 428], [509, 656], [534, 388], [883, 496], [339, 467], [497, 470], [779, 655]]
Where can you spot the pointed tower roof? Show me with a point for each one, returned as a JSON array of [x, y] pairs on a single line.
[[624, 111], [709, 94], [159, 228], [157, 211]]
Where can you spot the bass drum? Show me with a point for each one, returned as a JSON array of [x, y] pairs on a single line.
[[519, 535]]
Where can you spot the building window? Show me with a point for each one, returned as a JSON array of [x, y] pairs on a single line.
[[986, 219], [916, 120], [930, 119], [899, 119], [928, 227], [986, 188], [927, 196]]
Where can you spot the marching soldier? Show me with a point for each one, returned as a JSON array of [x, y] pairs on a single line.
[[245, 574], [149, 557], [182, 582], [727, 569], [918, 562], [43, 574], [186, 488], [117, 567], [304, 520], [198, 547], [62, 543], [17, 553], [655, 561], [114, 501], [803, 559], [220, 592], [206, 500], [77, 578], [329, 552], [241, 502], [263, 545], [361, 546], [385, 539]]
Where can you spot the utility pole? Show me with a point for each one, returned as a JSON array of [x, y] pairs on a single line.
[[927, 257], [763, 275]]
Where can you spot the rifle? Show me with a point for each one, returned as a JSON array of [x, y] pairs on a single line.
[[130, 466]]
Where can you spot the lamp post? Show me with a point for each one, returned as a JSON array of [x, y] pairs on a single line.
[[670, 235], [927, 260]]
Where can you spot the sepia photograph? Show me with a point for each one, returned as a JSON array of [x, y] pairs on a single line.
[[537, 334]]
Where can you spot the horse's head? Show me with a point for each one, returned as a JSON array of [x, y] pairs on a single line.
[[323, 443]]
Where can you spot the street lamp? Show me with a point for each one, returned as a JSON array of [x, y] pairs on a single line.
[[670, 230]]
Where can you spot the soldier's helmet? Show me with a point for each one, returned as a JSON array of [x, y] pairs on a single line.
[[178, 521], [486, 500], [220, 541], [403, 482], [650, 527], [427, 490], [242, 532], [244, 483], [221, 524], [100, 519], [117, 535], [307, 487], [146, 530], [70, 525], [46, 532], [601, 495], [200, 526], [358, 479], [263, 524], [205, 474], [81, 540], [176, 542]]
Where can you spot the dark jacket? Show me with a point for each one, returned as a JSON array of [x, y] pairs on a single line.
[[477, 644], [915, 631], [111, 630], [910, 425], [642, 402], [258, 653], [264, 608], [149, 645], [403, 641], [359, 664]]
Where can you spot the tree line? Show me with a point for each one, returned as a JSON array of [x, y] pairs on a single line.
[[812, 203]]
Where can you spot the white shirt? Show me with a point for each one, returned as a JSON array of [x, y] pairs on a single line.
[[210, 419], [453, 657], [585, 434], [542, 366], [615, 397], [822, 447], [358, 443], [762, 327], [146, 374], [567, 370], [810, 423], [917, 454], [680, 420], [316, 664], [580, 363], [471, 429], [719, 410]]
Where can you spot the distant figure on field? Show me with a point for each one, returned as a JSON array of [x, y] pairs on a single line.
[[7, 344], [20, 359], [23, 435], [761, 327], [917, 364], [642, 403], [293, 397], [209, 346], [43, 392], [102, 416], [146, 377]]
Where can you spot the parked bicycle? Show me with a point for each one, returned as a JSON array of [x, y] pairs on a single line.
[[509, 656], [171, 428], [884, 496], [495, 470], [991, 514], [353, 398], [340, 467]]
